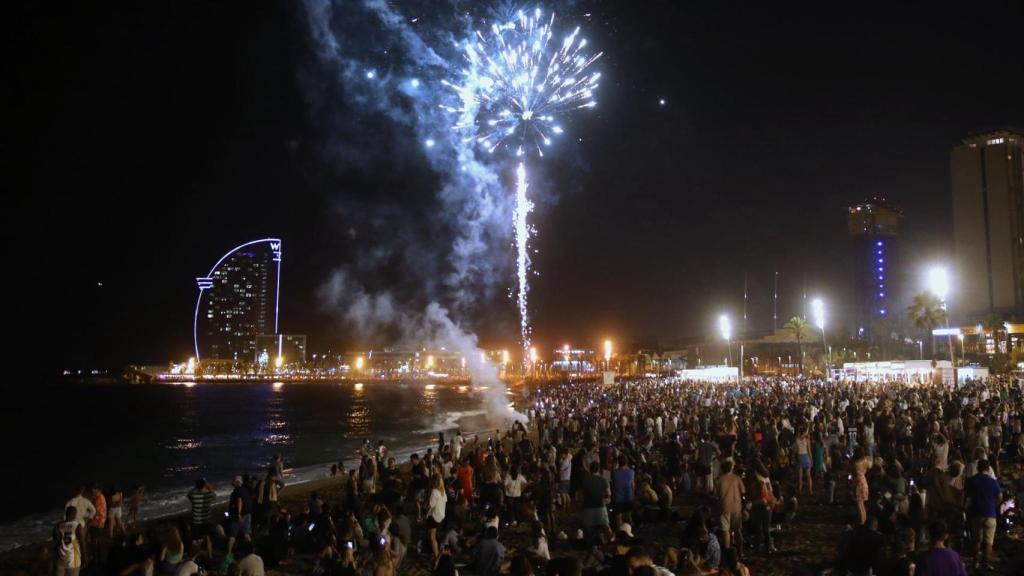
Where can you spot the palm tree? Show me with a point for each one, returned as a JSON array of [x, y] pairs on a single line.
[[798, 327], [993, 323], [925, 313]]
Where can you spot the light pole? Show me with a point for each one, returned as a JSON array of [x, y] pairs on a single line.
[[818, 309], [938, 284], [607, 354], [725, 327]]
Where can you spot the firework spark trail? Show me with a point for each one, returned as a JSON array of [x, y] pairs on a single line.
[[514, 86], [523, 209]]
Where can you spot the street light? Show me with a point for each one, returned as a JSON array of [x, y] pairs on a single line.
[[818, 309], [938, 284], [725, 327]]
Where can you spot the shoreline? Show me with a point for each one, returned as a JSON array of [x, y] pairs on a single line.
[[303, 481]]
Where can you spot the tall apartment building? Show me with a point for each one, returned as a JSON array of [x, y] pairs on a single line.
[[987, 176]]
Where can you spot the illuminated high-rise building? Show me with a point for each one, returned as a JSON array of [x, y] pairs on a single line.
[[874, 227], [987, 177], [238, 301]]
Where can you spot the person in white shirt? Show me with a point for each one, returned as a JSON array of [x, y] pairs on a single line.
[[514, 484], [457, 443], [540, 543], [564, 479], [68, 554], [83, 506], [940, 452], [436, 511]]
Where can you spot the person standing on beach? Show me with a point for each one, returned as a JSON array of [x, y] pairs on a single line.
[[116, 513], [730, 501], [67, 557], [239, 519], [465, 475], [457, 443], [278, 464], [596, 492], [266, 498], [436, 511], [623, 491], [983, 498], [134, 505], [201, 500], [97, 524], [564, 479], [84, 511]]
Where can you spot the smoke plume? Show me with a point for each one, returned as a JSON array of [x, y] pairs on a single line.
[[374, 91]]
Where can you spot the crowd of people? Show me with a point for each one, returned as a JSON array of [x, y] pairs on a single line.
[[644, 477]]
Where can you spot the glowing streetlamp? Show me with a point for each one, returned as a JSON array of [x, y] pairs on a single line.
[[725, 327], [938, 284], [818, 310], [607, 353], [359, 363]]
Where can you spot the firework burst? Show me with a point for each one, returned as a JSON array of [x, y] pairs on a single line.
[[517, 82]]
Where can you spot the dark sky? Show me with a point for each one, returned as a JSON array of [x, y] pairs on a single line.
[[150, 138]]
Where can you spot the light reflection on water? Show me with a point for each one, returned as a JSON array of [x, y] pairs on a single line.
[[185, 444], [279, 440]]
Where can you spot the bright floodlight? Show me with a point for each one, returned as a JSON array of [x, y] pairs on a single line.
[[278, 361], [938, 282], [359, 363], [504, 357], [533, 355], [725, 327], [607, 350], [818, 308]]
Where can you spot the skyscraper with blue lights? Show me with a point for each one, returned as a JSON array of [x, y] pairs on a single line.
[[874, 227]]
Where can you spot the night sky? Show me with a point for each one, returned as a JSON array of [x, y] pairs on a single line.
[[149, 139]]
